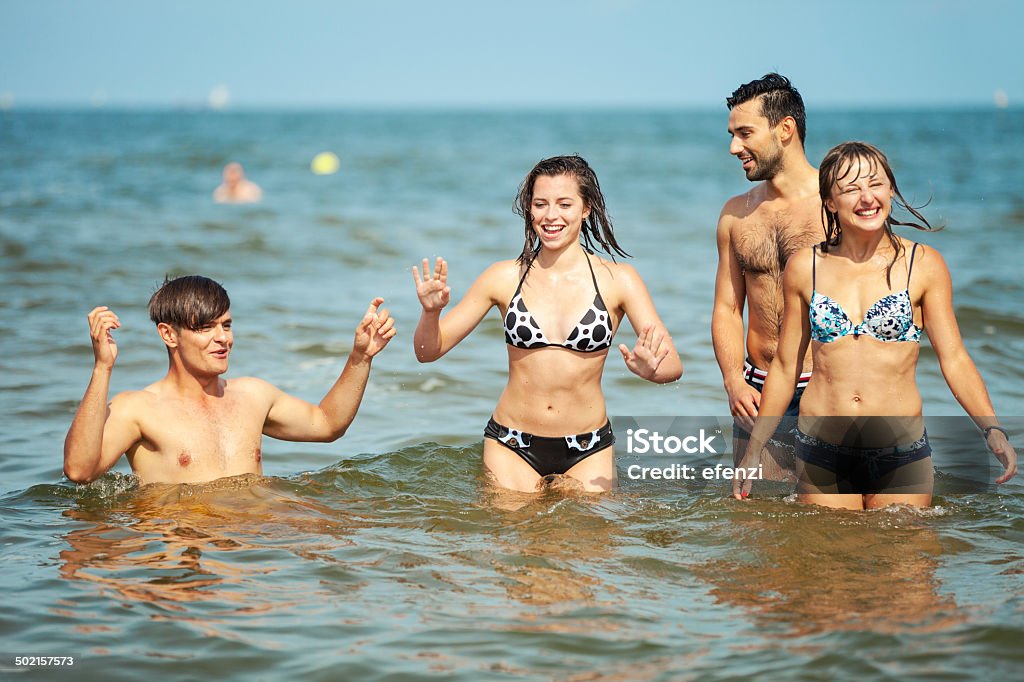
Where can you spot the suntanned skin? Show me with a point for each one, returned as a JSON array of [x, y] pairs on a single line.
[[551, 391], [193, 425], [857, 378], [758, 232]]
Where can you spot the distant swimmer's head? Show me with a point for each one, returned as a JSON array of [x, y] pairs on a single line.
[[233, 173], [763, 115], [191, 302], [584, 211], [857, 189]]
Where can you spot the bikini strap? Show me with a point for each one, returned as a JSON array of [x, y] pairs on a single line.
[[592, 275], [814, 268], [910, 268], [522, 279]]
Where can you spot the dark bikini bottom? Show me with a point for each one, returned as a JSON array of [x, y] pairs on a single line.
[[549, 455], [847, 469]]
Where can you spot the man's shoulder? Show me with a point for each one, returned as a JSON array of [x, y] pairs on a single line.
[[751, 196], [129, 403], [739, 208], [162, 391], [148, 397], [249, 386]]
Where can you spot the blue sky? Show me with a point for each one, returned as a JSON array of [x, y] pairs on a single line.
[[530, 54]]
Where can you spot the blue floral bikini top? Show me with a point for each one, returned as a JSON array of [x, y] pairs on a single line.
[[592, 333], [890, 318]]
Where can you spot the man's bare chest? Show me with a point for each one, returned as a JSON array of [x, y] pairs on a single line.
[[204, 436], [765, 241]]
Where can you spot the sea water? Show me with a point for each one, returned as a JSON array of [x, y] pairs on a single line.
[[386, 555]]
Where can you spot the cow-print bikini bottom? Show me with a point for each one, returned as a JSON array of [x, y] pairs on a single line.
[[549, 455]]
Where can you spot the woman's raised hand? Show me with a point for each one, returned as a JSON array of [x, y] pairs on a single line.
[[647, 354], [432, 288]]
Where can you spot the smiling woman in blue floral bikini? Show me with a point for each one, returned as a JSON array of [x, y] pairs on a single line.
[[561, 306], [861, 440]]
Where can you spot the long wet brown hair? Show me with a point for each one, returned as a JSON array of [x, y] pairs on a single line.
[[851, 157], [597, 227]]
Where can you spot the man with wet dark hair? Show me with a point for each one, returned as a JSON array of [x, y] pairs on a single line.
[[193, 425], [757, 233], [189, 302], [776, 98]]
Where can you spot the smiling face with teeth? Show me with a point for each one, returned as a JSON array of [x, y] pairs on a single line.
[[861, 196], [557, 210], [858, 191], [755, 142]]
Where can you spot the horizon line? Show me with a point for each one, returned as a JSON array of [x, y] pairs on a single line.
[[198, 107]]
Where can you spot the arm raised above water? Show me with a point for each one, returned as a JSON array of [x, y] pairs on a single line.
[[290, 418], [100, 434], [436, 335]]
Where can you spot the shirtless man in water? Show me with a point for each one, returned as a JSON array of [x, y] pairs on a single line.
[[193, 425], [236, 188], [757, 233]]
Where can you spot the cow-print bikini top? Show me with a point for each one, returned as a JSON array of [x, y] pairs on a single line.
[[592, 333]]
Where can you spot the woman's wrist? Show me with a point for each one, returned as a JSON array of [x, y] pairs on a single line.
[[989, 429]]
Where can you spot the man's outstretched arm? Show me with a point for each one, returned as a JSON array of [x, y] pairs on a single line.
[[290, 418]]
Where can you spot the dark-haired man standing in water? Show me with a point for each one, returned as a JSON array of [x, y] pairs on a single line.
[[192, 425], [757, 233]]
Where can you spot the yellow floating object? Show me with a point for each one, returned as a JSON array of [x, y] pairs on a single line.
[[325, 163]]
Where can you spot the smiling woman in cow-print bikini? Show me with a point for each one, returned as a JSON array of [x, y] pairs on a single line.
[[561, 305]]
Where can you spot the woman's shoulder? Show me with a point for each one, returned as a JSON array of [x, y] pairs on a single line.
[[500, 275], [801, 261], [504, 268], [615, 273], [919, 252], [925, 260], [501, 270], [614, 268]]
